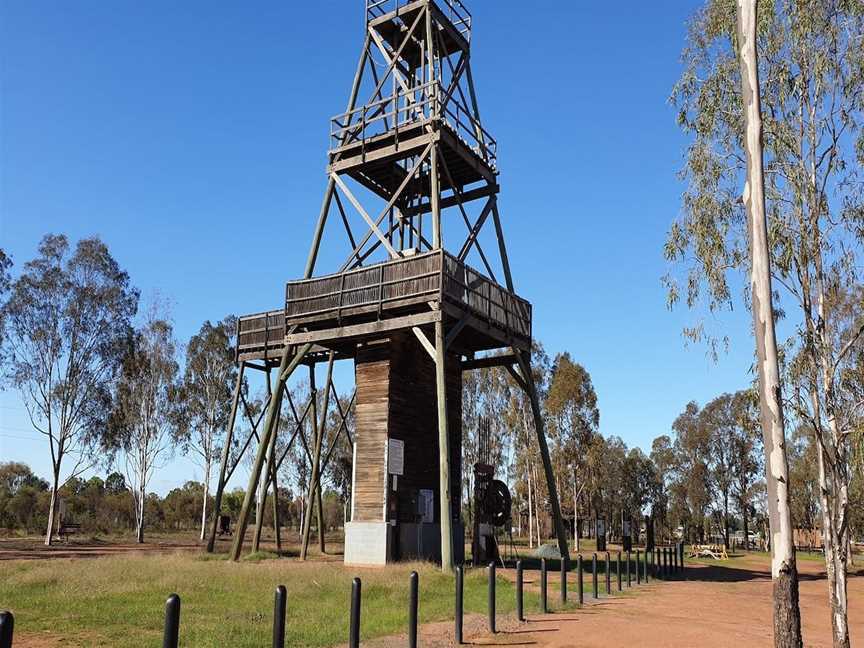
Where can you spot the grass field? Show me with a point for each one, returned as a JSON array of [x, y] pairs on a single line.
[[119, 600]]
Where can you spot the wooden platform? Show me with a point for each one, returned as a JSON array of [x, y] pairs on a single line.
[[341, 311], [376, 144], [392, 18]]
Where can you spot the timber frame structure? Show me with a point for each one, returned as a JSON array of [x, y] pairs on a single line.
[[417, 151]]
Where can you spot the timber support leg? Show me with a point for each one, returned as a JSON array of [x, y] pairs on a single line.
[[315, 478], [287, 365], [539, 428], [443, 451], [223, 465]]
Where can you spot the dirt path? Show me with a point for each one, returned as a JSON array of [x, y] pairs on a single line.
[[714, 607]]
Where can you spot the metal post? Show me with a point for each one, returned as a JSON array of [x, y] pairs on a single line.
[[579, 583], [543, 601], [594, 576], [279, 617], [629, 566], [412, 610], [638, 567], [608, 574], [645, 565], [563, 581], [354, 628], [520, 611], [7, 625], [172, 622], [618, 571], [458, 615], [492, 597]]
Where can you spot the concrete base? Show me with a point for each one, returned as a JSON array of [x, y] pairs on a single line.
[[375, 543], [367, 543]]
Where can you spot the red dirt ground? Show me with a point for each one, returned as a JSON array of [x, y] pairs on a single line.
[[714, 607]]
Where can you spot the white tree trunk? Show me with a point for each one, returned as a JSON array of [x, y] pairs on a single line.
[[787, 617], [52, 510], [530, 513], [139, 536], [207, 466]]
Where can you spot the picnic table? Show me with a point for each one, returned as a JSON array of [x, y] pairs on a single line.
[[717, 552]]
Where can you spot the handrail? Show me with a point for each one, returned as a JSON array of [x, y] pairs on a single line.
[[420, 104], [455, 10], [425, 274]]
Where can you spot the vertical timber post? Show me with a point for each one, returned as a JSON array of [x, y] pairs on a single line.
[[322, 528], [287, 365], [226, 453], [443, 450], [264, 481], [315, 478]]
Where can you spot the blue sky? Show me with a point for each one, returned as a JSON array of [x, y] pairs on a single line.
[[191, 137]]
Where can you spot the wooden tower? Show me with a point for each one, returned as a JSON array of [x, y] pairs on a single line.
[[412, 164]]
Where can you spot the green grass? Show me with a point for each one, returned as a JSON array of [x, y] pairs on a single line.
[[119, 601]]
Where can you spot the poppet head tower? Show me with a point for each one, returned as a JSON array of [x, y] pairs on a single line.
[[410, 167]]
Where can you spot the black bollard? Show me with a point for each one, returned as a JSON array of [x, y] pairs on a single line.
[[492, 597], [172, 622], [563, 581], [520, 610], [665, 562], [279, 617], [544, 603], [7, 625], [458, 615], [413, 602], [579, 581], [682, 556], [629, 560], [645, 565], [638, 568], [594, 576], [354, 628], [608, 574], [618, 571], [544, 607]]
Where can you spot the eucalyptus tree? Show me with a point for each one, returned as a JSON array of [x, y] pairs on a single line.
[[746, 459], [812, 101], [732, 433], [68, 322], [144, 419], [205, 396], [5, 283], [663, 457], [575, 418], [804, 479], [692, 451]]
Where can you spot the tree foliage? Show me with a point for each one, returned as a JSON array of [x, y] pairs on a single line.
[[68, 322]]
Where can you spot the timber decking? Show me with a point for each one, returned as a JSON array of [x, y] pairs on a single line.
[[386, 296]]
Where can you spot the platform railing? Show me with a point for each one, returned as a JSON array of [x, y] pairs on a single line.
[[405, 109], [432, 276], [455, 11]]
